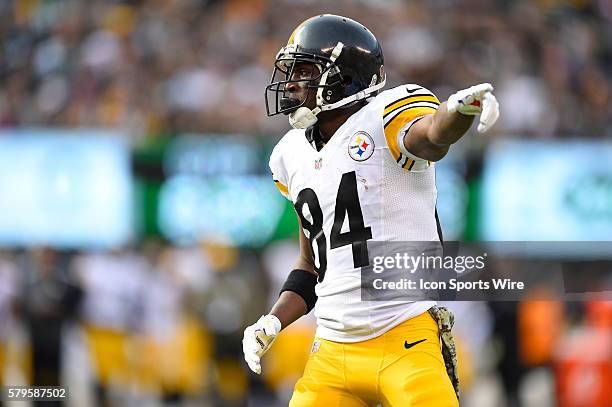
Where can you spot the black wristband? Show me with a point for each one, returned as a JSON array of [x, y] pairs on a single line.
[[302, 283]]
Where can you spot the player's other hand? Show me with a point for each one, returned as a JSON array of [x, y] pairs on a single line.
[[257, 340], [476, 100]]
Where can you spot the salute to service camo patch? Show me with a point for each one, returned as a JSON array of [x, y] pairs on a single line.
[[446, 320]]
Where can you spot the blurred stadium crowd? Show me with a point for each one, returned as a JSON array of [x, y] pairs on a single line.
[[153, 323], [167, 66]]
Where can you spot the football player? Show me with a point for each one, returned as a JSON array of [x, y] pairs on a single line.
[[359, 166]]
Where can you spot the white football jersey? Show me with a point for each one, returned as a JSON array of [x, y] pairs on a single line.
[[362, 185]]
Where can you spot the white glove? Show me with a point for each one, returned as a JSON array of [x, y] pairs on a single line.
[[476, 100], [258, 338]]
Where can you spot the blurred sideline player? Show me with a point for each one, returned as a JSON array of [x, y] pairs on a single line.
[[175, 348], [358, 166], [138, 332], [9, 283], [113, 286]]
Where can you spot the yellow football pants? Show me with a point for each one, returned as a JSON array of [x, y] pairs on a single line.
[[401, 368]]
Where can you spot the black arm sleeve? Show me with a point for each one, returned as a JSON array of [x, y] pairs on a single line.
[[303, 284]]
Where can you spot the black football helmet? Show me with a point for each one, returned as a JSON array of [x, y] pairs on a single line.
[[349, 60]]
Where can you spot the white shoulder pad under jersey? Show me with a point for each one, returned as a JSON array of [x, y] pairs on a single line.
[[399, 108]]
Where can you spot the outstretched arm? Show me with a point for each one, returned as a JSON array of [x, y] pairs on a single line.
[[430, 137]]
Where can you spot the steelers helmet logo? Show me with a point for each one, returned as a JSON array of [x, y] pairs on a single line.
[[361, 146]]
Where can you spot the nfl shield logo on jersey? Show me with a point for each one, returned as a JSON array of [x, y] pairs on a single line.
[[361, 146]]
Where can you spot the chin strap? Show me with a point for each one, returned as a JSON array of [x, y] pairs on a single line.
[[304, 117], [334, 55], [357, 96]]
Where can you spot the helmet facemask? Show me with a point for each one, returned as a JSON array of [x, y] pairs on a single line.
[[330, 86], [278, 98]]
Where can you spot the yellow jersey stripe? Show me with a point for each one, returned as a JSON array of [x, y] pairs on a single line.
[[400, 110], [282, 188], [408, 115], [409, 99], [410, 163], [393, 127], [393, 147]]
